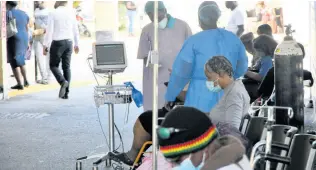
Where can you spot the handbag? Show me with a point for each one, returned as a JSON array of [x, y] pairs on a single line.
[[11, 25]]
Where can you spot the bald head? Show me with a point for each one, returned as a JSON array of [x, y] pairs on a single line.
[[209, 14]]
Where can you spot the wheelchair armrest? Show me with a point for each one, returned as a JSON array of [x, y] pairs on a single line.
[[280, 146], [277, 158], [307, 83]]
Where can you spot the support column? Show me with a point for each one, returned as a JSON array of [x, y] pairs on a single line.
[[106, 16], [3, 54]]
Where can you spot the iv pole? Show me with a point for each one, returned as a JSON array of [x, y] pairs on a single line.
[[155, 62]]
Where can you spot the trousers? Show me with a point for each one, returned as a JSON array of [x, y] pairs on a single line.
[[42, 61], [60, 52]]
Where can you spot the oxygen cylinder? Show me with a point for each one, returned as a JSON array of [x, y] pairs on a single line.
[[289, 88]]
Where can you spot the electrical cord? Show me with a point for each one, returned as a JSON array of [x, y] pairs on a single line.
[[127, 110], [251, 111]]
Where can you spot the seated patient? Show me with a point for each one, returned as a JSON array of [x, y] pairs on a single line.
[[143, 132], [264, 46], [235, 102], [190, 141], [263, 29]]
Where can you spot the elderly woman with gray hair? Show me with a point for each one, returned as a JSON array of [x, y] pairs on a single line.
[[235, 101]]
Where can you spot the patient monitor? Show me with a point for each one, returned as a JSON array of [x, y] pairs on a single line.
[[109, 56]]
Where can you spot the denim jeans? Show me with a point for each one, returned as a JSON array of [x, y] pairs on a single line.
[[131, 16]]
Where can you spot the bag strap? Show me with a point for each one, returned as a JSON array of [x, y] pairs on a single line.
[[9, 15]]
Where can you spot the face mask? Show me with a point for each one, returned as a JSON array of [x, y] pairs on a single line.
[[163, 23], [211, 87], [188, 165]]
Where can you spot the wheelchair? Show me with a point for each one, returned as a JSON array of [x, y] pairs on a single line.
[[277, 146]]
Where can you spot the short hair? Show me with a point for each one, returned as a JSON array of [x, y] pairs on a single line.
[[13, 4], [220, 65], [266, 44], [265, 29], [302, 48]]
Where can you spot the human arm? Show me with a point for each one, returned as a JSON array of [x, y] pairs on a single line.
[[265, 65], [144, 45], [76, 34], [234, 109], [242, 63], [48, 38], [240, 22], [181, 71], [188, 31]]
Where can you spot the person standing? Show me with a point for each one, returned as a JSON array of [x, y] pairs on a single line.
[[236, 21], [41, 19], [131, 13], [61, 33], [172, 33], [17, 45], [189, 64]]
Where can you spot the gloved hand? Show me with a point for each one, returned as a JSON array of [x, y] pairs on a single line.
[[169, 105]]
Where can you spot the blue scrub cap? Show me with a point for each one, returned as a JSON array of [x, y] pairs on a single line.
[[149, 7], [209, 12]]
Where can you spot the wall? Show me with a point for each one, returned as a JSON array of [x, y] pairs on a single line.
[[312, 39]]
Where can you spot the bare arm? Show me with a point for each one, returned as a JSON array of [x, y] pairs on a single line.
[[254, 76], [240, 30]]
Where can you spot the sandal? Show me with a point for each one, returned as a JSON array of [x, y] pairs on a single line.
[[121, 158]]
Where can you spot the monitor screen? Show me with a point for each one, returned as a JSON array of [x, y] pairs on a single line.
[[110, 54]]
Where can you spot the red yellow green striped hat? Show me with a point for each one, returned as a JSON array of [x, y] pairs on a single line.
[[199, 132]]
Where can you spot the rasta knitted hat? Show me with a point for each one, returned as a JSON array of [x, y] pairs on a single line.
[[195, 132]]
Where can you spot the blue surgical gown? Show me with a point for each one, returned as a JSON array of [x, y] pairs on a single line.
[[189, 66]]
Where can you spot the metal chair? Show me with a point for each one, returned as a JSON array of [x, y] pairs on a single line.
[[281, 140], [301, 152]]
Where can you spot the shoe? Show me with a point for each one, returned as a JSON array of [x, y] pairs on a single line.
[[26, 84], [44, 82], [17, 87], [121, 158], [65, 96], [63, 88]]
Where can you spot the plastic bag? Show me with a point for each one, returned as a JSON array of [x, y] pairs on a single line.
[[147, 163], [136, 95]]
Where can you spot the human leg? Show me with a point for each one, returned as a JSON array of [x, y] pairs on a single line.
[[41, 61], [131, 16], [142, 133], [17, 76], [23, 71], [56, 51], [66, 61]]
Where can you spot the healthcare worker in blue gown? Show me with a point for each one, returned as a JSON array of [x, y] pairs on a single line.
[[188, 66]]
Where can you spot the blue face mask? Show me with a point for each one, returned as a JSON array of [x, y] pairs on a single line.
[[212, 88], [188, 165], [163, 23]]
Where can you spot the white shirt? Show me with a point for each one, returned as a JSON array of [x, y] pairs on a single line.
[[62, 25], [236, 18]]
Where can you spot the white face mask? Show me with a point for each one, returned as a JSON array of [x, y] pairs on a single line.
[[188, 165], [163, 23]]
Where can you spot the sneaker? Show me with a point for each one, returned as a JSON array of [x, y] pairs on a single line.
[[44, 82], [121, 158]]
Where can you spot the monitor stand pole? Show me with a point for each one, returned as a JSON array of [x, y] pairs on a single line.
[[106, 158]]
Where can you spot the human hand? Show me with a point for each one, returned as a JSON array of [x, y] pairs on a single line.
[[76, 48], [170, 70], [197, 158], [169, 105], [45, 50]]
